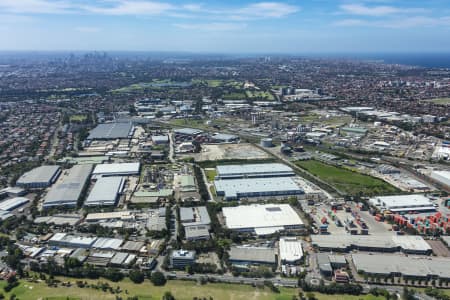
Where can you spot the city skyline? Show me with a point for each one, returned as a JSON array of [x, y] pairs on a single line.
[[232, 27]]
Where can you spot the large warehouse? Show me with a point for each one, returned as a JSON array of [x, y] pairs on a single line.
[[13, 203], [253, 171], [68, 191], [262, 219], [40, 177], [401, 265], [235, 189], [403, 203], [387, 243], [105, 191], [118, 169], [111, 131], [443, 177]]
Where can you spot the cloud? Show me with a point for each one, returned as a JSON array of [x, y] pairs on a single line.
[[377, 11], [125, 7], [214, 26], [398, 23], [265, 10], [88, 29], [14, 19], [35, 6]]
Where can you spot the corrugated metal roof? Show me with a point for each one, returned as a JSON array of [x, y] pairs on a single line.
[[105, 191]]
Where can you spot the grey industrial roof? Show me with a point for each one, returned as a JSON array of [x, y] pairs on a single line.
[[119, 258], [111, 131], [252, 254], [193, 232], [105, 191], [409, 266], [132, 246], [446, 239], [160, 138], [40, 174], [235, 188], [345, 242], [188, 131], [157, 219], [13, 203], [254, 169], [198, 215], [107, 243], [224, 136], [69, 190]]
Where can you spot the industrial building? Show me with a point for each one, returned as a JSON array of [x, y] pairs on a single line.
[[385, 243], [403, 203], [118, 169], [250, 256], [196, 222], [190, 132], [236, 189], [107, 244], [262, 219], [442, 177], [69, 190], [105, 191], [291, 251], [40, 177], [224, 138], [179, 259], [71, 241], [160, 139], [111, 131], [328, 262], [405, 266], [253, 171], [13, 203]]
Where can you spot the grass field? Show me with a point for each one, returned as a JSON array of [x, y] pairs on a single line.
[[260, 94], [349, 182], [443, 101], [77, 118], [210, 174], [182, 290], [234, 96]]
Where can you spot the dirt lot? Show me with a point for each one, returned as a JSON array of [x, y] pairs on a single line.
[[230, 151]]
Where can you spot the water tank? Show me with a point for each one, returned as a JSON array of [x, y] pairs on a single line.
[[266, 142]]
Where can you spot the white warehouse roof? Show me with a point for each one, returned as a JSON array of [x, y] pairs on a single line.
[[117, 169], [442, 177], [105, 191], [403, 202], [13, 203], [44, 175], [290, 249], [261, 217]]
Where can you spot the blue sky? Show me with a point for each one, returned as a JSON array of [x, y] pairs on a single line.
[[230, 26]]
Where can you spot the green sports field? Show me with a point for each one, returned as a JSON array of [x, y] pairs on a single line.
[[181, 290]]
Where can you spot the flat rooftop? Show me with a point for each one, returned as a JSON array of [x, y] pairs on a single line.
[[254, 170], [110, 131], [261, 216], [69, 189], [344, 242], [403, 202], [257, 187], [42, 174], [407, 266], [117, 168], [290, 249], [253, 254], [105, 191]]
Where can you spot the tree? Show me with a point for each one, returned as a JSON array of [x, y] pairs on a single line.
[[158, 279], [136, 276], [168, 296]]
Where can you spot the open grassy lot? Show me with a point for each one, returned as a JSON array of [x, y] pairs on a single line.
[[260, 94], [443, 101], [210, 174], [182, 290], [234, 96], [347, 181], [78, 118]]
